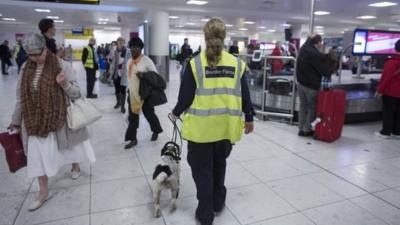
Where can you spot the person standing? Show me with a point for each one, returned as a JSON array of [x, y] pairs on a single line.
[[138, 65], [45, 87], [312, 65], [277, 64], [389, 90], [184, 55], [91, 66], [20, 54], [234, 49], [214, 94], [5, 56], [68, 56], [119, 73]]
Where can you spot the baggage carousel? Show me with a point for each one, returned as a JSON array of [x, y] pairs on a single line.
[[361, 106]]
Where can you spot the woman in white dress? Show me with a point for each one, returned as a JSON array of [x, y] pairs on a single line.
[[46, 86]]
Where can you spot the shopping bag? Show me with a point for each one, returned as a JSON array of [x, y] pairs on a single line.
[[14, 150]]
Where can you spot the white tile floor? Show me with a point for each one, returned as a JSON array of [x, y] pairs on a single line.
[[273, 176]]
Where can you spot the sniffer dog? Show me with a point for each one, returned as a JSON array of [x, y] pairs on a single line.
[[167, 176]]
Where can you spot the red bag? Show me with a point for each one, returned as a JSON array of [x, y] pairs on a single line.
[[331, 108], [14, 150]]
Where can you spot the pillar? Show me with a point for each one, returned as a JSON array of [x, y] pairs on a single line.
[[159, 43]]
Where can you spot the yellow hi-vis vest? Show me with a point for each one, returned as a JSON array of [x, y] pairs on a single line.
[[89, 60], [216, 111]]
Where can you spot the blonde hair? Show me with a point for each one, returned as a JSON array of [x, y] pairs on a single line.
[[121, 39], [214, 33]]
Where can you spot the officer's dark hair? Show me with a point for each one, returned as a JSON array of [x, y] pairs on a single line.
[[135, 42], [397, 46], [45, 25], [315, 39]]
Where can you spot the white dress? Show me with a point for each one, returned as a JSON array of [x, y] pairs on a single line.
[[44, 157]]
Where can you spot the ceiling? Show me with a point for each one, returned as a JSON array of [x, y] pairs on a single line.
[[270, 14]]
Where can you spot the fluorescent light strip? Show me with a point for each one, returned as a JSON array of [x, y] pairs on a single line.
[[383, 4], [196, 2], [243, 29], [173, 17], [271, 30], [286, 25], [249, 22], [319, 27], [102, 23], [53, 17], [43, 10], [366, 17], [321, 13], [9, 19], [205, 20], [104, 19], [190, 23], [229, 25], [261, 27], [58, 21]]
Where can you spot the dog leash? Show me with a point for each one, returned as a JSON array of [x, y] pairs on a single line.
[[171, 148]]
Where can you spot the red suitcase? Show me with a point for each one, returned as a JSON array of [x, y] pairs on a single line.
[[331, 108]]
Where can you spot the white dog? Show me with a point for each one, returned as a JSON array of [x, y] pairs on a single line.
[[166, 176]]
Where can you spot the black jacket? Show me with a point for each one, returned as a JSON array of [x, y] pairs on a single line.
[[85, 55], [151, 88], [312, 65], [5, 53]]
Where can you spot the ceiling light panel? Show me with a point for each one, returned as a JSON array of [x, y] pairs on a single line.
[[229, 25], [243, 29], [9, 19], [53, 17], [383, 4], [271, 30], [190, 23], [249, 22], [59, 21], [104, 19], [366, 17], [173, 17], [102, 23], [43, 10], [321, 13], [196, 2]]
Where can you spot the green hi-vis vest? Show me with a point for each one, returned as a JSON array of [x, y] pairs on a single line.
[[216, 111], [89, 60]]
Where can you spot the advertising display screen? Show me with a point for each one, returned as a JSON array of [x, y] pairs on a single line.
[[373, 42]]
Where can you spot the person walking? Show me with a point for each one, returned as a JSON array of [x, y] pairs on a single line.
[[312, 65], [184, 55], [20, 54], [5, 56], [119, 73], [139, 65], [389, 90], [214, 94], [91, 66], [46, 86]]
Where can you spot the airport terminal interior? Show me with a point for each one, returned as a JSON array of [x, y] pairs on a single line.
[[274, 175]]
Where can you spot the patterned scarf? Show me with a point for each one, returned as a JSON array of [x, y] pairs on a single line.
[[134, 84], [44, 108]]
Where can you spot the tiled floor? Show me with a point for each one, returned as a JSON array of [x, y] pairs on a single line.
[[273, 177]]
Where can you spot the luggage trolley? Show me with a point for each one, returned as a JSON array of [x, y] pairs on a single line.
[[264, 111]]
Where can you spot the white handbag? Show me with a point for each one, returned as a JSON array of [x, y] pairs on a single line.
[[80, 113]]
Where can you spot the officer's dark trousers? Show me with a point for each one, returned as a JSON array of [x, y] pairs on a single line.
[[391, 115], [90, 80], [208, 163]]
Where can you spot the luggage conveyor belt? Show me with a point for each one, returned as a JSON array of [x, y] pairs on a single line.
[[362, 105]]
